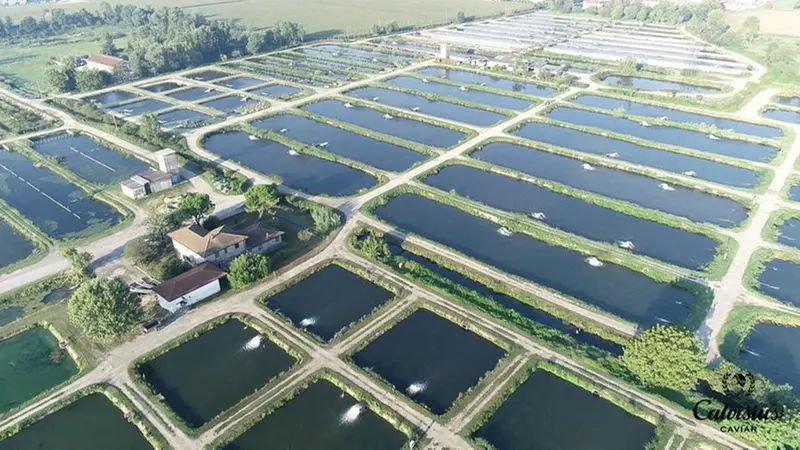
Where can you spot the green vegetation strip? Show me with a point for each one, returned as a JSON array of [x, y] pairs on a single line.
[[703, 294], [464, 397], [382, 410], [155, 398], [398, 292], [116, 397], [691, 81], [558, 341], [730, 103], [664, 428]]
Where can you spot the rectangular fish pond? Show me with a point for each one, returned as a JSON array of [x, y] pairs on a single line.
[[91, 423], [615, 289], [489, 80], [772, 351], [32, 362], [650, 84], [140, 107], [214, 370], [784, 115], [780, 279], [573, 215], [787, 101], [510, 303], [549, 412], [378, 154], [670, 161], [328, 301], [675, 115], [208, 75], [638, 189], [194, 94], [409, 129], [59, 208], [436, 108], [90, 159], [695, 140], [461, 92], [182, 120], [240, 82], [276, 91], [794, 193], [15, 246], [321, 416], [111, 97], [298, 170], [162, 87], [789, 232], [233, 104], [430, 359]]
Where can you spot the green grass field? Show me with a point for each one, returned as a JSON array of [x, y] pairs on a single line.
[[317, 16]]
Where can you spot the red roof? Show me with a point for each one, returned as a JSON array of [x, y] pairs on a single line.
[[189, 281], [106, 60]]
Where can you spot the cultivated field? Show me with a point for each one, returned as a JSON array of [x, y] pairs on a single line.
[[773, 21], [317, 16]]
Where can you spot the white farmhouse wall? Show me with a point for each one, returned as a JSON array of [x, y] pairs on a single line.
[[187, 255], [191, 298]]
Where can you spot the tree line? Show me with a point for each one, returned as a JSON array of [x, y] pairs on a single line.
[[159, 40]]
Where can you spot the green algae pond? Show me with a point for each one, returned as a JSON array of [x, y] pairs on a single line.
[[321, 417], [328, 301], [212, 372], [549, 412], [90, 423], [430, 359], [31, 362]]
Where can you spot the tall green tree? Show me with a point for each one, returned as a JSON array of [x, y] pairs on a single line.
[[107, 46], [196, 206], [90, 79], [104, 309], [60, 75], [262, 198], [149, 127], [325, 219], [665, 356], [79, 262], [248, 268]]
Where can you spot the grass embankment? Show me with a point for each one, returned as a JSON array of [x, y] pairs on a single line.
[[663, 428], [157, 399], [703, 295], [464, 397], [476, 300], [115, 396], [18, 119], [398, 292], [479, 87], [764, 179], [730, 103], [382, 410]]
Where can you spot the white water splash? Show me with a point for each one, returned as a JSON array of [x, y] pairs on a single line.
[[352, 413], [538, 216], [587, 166], [666, 187], [504, 231], [612, 155], [628, 245], [388, 116], [752, 352], [308, 321], [594, 262], [253, 343], [416, 388], [690, 173]]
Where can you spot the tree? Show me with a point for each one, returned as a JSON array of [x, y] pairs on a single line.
[[665, 356], [104, 309], [325, 219], [460, 17], [60, 76], [628, 66], [196, 206], [107, 46], [375, 247], [262, 198], [79, 261], [149, 127], [90, 79], [750, 29], [248, 268], [256, 41]]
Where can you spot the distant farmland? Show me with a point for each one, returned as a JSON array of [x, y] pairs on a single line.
[[321, 17]]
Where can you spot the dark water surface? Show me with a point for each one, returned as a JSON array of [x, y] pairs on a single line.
[[771, 350], [15, 246], [781, 279], [506, 84]]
